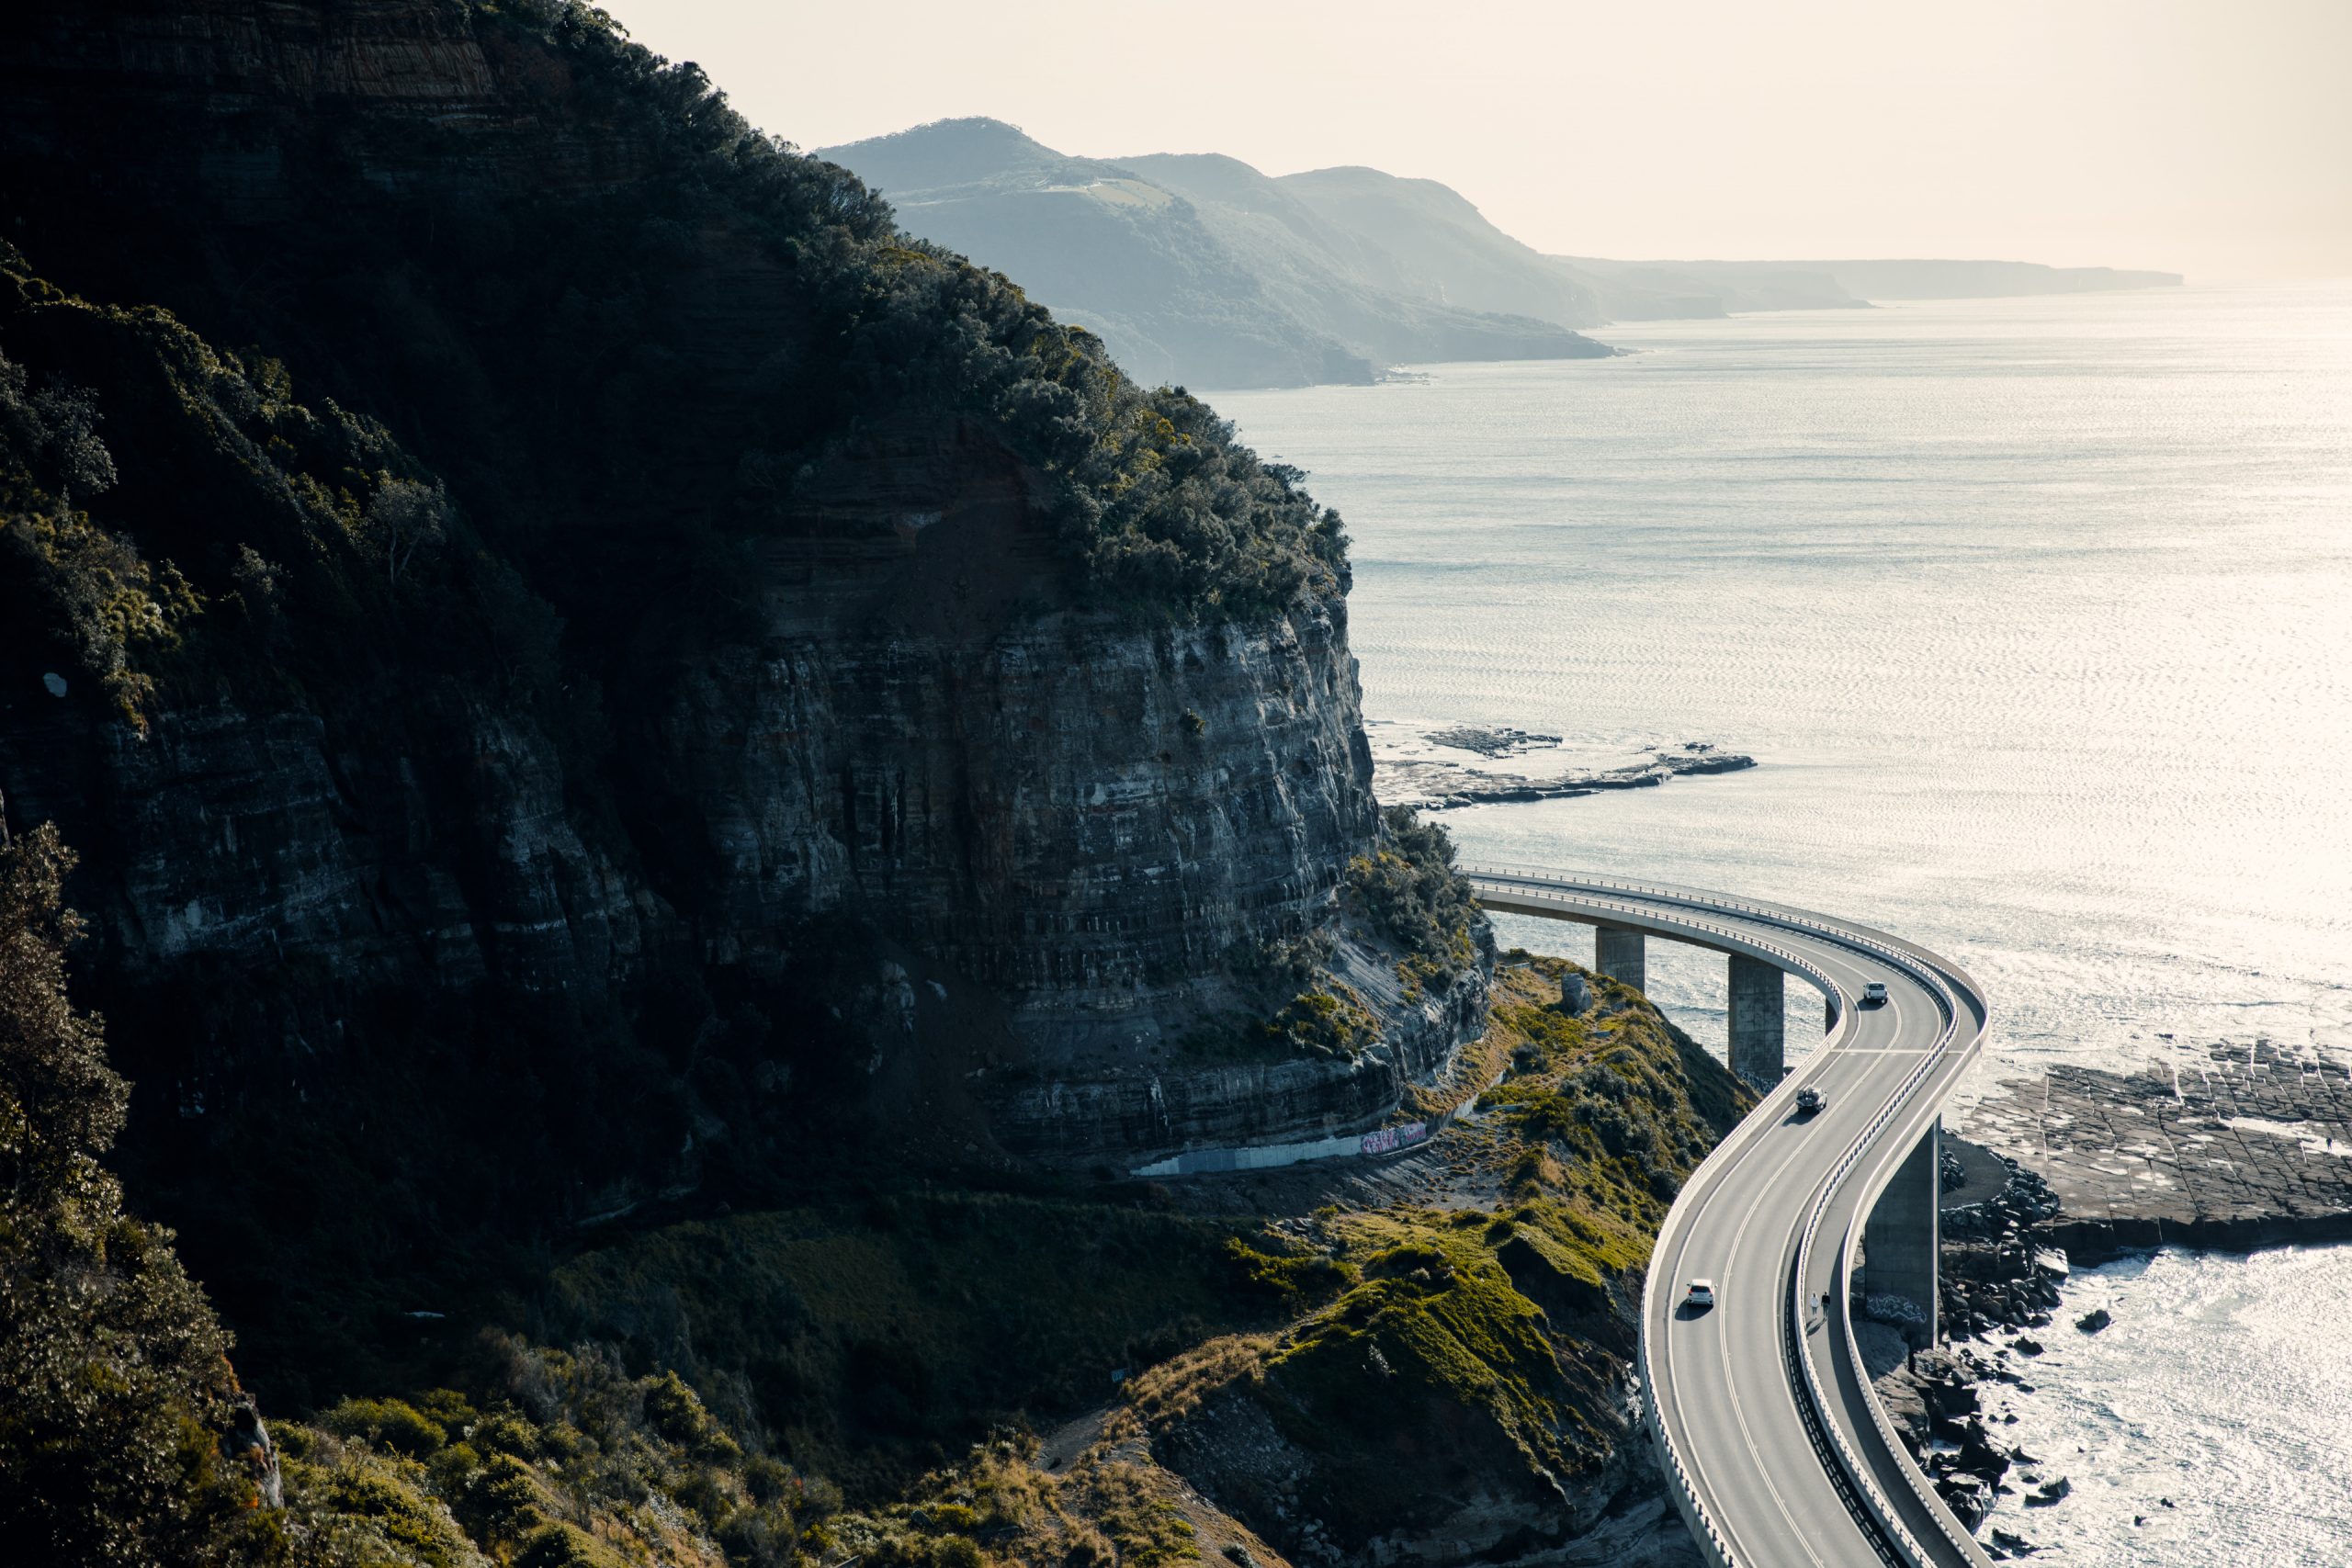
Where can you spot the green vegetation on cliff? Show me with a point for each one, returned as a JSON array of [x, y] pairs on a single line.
[[1404, 898], [1481, 1347], [1408, 889], [876, 1339], [577, 361], [1157, 500], [121, 1426], [241, 540]]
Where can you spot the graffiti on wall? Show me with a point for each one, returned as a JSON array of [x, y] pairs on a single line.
[[1381, 1140]]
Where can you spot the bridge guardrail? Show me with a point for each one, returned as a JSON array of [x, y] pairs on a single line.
[[1811, 971], [1864, 1481], [1689, 1502], [1931, 974], [1961, 1541]]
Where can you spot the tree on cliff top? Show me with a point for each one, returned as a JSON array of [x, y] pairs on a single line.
[[1163, 508], [121, 1408]]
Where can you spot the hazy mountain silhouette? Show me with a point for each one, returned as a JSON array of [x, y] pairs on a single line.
[[1197, 268]]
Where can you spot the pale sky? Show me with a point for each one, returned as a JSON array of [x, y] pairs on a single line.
[[2210, 137]]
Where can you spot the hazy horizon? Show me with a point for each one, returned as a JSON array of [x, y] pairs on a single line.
[[2195, 139]]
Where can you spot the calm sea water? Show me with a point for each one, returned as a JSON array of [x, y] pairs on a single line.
[[2224, 1385], [2038, 616]]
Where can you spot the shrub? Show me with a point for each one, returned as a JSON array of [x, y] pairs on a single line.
[[1288, 1275], [957, 1552], [675, 1412], [560, 1545], [119, 1393], [1407, 891], [1333, 1022], [389, 1423]]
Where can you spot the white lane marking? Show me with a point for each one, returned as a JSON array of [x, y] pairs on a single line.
[[1732, 1397], [1848, 1016], [1728, 1273], [1893, 1012], [1764, 1190], [1731, 1385]]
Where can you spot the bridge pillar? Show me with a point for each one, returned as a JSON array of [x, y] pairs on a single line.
[[1905, 1231], [1758, 1024], [1618, 953]]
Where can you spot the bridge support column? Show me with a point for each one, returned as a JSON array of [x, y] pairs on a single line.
[[1618, 953], [1901, 1240], [1758, 1048]]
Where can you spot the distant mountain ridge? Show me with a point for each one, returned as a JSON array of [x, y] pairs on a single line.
[[1634, 288], [1194, 270], [1978, 279], [1197, 268]]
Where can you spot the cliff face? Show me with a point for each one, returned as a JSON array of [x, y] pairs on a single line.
[[1061, 835], [795, 719]]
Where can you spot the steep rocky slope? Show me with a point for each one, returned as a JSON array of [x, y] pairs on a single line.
[[644, 671]]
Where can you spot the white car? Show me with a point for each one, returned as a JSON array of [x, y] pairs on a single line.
[[1700, 1295], [1874, 993]]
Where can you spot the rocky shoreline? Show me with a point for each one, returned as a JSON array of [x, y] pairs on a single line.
[[2248, 1147], [1441, 768], [1999, 1277], [2243, 1147]]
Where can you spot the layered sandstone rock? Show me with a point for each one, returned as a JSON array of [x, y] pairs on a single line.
[[907, 797]]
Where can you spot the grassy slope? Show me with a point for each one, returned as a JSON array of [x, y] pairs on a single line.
[[1483, 1347], [878, 1339], [1414, 1354]]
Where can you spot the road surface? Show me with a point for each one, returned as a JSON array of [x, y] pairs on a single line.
[[1775, 1448]]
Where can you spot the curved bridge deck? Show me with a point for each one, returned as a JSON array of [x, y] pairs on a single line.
[[1775, 1448]]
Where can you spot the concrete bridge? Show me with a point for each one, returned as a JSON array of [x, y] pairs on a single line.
[[1775, 1448]]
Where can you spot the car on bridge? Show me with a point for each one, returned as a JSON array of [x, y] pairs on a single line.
[[1874, 993], [1809, 1102], [1700, 1295]]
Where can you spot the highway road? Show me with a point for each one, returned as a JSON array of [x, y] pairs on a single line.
[[1775, 1448]]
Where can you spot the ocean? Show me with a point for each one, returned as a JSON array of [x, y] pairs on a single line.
[[2037, 617]]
